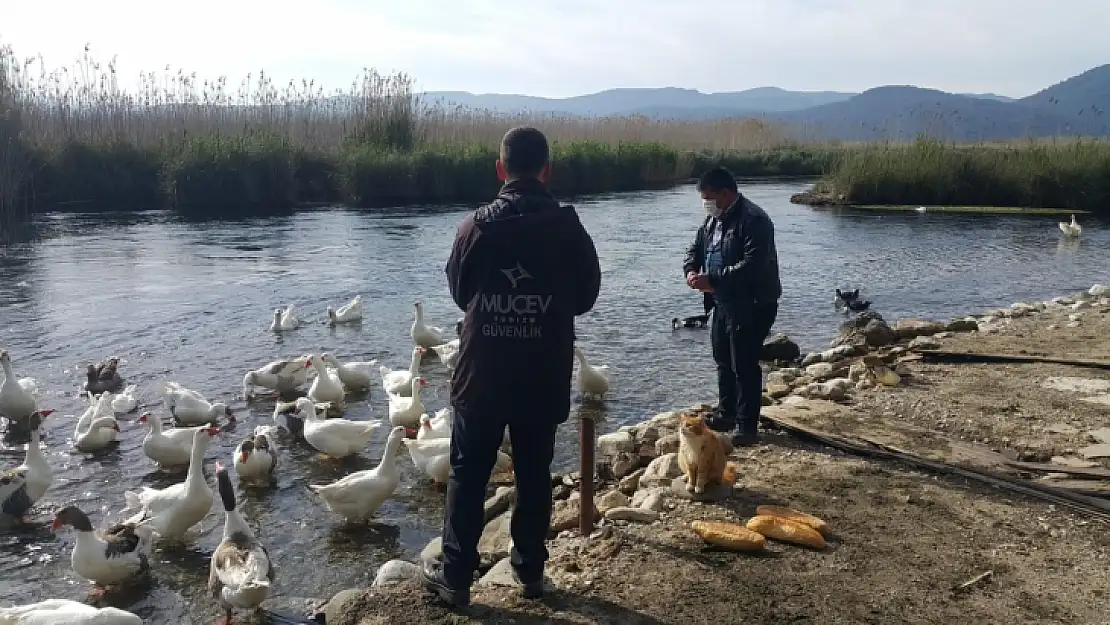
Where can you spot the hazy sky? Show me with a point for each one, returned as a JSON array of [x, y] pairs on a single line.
[[569, 47]]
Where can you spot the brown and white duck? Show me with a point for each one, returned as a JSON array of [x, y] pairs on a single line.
[[256, 457], [111, 558], [241, 571]]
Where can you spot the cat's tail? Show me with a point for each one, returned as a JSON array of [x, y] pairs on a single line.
[[728, 478]]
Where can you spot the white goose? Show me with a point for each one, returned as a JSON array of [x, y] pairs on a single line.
[[191, 408], [433, 457], [64, 611], [171, 447], [282, 376], [448, 353], [95, 434], [118, 554], [126, 401], [1072, 229], [256, 457], [285, 319], [348, 313], [424, 335], [355, 376], [438, 426], [406, 411], [335, 438], [399, 381], [171, 511], [18, 397], [327, 387], [592, 381], [241, 571], [358, 496], [22, 487]]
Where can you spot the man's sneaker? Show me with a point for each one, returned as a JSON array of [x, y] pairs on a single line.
[[435, 583], [720, 422]]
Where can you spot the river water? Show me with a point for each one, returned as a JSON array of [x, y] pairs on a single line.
[[191, 302]]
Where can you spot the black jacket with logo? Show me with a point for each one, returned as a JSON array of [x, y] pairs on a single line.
[[522, 268], [751, 263]]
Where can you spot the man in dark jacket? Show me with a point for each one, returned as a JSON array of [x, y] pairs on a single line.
[[522, 268], [733, 258]]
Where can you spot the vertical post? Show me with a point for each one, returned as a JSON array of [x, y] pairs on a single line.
[[586, 471]]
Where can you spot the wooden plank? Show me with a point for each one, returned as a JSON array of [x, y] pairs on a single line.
[[1047, 467], [938, 355]]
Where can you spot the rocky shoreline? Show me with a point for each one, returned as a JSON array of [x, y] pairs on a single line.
[[638, 483]]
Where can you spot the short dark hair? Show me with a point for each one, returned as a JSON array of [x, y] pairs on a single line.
[[524, 152], [717, 179]]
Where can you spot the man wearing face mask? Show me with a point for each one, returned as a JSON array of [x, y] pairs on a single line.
[[733, 261]]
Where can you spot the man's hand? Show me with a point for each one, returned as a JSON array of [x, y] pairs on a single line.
[[690, 275], [701, 283]]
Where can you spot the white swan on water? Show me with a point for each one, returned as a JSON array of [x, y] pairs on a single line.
[[1072, 229]]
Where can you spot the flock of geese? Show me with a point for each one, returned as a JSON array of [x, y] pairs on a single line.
[[241, 569]]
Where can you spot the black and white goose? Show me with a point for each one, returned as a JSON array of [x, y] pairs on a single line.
[[241, 571], [116, 556], [22, 487]]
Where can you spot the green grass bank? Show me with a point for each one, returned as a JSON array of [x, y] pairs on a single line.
[[1064, 175]]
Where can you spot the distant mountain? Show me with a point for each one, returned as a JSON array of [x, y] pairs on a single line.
[[662, 102], [1077, 106]]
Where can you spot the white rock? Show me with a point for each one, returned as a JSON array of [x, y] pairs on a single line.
[[643, 494], [637, 515], [857, 371], [654, 501], [1099, 290], [664, 417], [811, 359], [1072, 324], [660, 471], [610, 500], [615, 443], [395, 572], [820, 370], [777, 377], [924, 342], [433, 550]]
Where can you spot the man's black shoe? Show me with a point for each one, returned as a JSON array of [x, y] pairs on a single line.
[[721, 423], [745, 440], [530, 590], [435, 583]]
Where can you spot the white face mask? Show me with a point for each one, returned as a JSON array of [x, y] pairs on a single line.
[[711, 208]]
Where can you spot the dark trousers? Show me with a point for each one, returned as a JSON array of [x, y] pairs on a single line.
[[736, 349], [475, 439]]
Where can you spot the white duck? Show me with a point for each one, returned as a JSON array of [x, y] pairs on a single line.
[[256, 457], [433, 457], [336, 438], [358, 496], [241, 571], [406, 411], [171, 511], [438, 426], [348, 313], [22, 487], [285, 319], [126, 401], [592, 381], [118, 554], [355, 376], [95, 434], [1072, 229], [191, 408], [327, 387], [283, 376], [424, 335], [171, 447], [399, 381], [18, 397], [64, 611], [448, 353]]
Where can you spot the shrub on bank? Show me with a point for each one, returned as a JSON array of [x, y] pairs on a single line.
[[1073, 174]]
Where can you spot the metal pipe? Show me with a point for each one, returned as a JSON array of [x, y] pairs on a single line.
[[586, 473]]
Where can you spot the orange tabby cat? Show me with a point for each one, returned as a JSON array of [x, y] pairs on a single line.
[[702, 455]]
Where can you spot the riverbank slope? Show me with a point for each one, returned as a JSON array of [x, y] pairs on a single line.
[[904, 546]]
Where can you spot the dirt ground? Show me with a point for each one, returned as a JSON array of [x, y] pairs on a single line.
[[901, 540]]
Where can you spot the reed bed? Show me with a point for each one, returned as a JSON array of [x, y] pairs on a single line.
[[1066, 174], [75, 140]]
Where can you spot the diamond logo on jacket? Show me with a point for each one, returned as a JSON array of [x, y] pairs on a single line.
[[516, 274]]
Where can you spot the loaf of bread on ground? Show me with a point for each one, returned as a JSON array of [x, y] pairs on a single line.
[[796, 516], [728, 535], [787, 531]]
